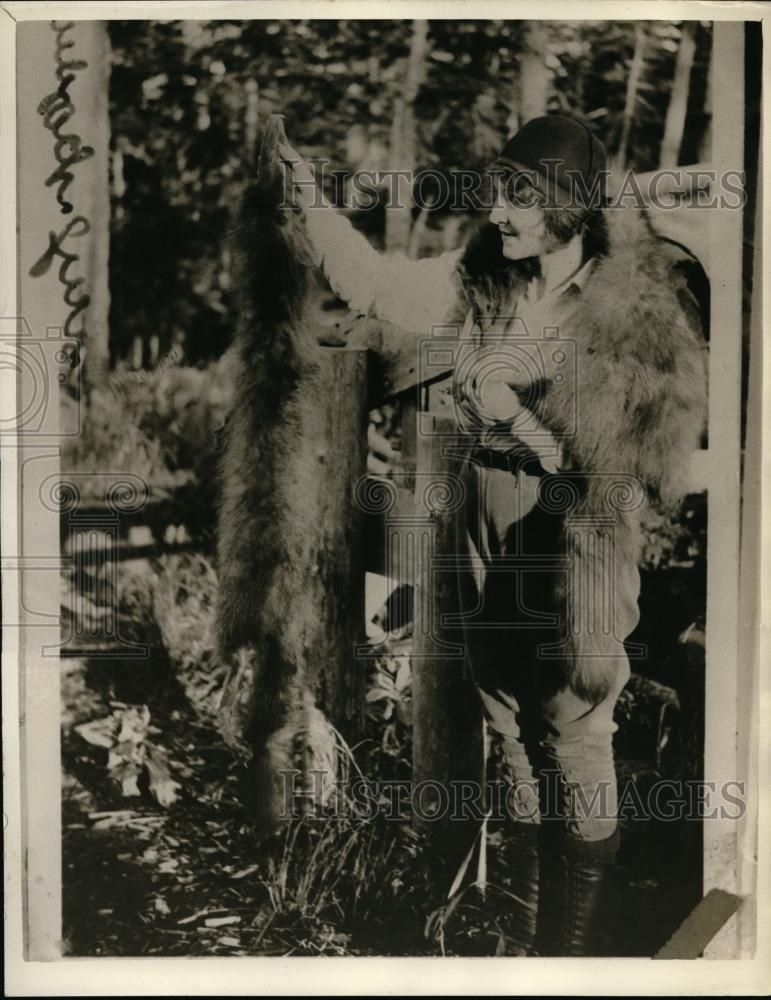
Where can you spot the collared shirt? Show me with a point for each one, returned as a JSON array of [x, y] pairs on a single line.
[[559, 267], [562, 270]]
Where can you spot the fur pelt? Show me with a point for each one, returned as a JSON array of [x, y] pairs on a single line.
[[628, 415], [639, 395], [269, 598]]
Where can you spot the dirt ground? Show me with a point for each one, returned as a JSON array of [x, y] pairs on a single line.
[[195, 878]]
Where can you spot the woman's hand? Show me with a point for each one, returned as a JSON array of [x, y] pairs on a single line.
[[498, 400], [302, 176], [489, 385], [488, 403]]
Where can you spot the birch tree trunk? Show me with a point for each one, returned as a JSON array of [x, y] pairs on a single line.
[[632, 86], [534, 76], [678, 101], [404, 142], [528, 99]]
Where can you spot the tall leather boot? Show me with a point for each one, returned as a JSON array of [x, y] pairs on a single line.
[[522, 855], [549, 889], [522, 865], [581, 877]]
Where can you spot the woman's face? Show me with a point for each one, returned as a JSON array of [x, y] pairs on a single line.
[[520, 217]]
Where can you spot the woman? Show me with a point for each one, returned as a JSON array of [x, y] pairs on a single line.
[[583, 395]]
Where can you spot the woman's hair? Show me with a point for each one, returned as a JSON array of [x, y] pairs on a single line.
[[490, 277], [563, 223]]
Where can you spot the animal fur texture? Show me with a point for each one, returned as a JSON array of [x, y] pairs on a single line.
[[630, 420], [269, 583], [628, 416]]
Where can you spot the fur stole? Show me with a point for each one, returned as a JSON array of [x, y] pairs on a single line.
[[628, 415]]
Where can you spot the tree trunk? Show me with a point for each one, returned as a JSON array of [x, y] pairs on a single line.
[[705, 146], [404, 142], [419, 230], [632, 86], [678, 101], [251, 117], [533, 74]]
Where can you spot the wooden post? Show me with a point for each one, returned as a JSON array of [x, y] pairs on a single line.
[[750, 606], [723, 725], [340, 431], [447, 728]]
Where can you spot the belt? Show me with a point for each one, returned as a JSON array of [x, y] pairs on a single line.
[[511, 461]]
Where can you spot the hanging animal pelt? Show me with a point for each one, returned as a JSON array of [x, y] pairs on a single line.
[[285, 515]]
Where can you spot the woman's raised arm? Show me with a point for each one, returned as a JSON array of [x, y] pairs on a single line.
[[412, 294]]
